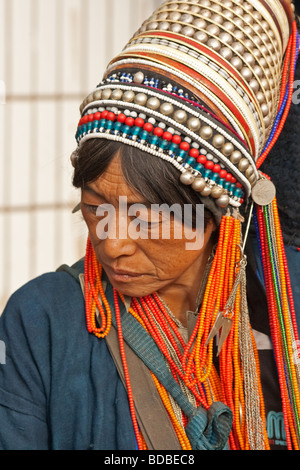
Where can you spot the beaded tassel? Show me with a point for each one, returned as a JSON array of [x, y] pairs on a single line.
[[282, 317], [93, 290], [225, 298]]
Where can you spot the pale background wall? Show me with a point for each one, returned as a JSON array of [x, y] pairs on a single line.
[[52, 54]]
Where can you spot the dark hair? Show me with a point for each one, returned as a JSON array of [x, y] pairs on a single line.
[[152, 178]]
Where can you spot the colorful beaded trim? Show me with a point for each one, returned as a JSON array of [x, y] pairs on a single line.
[[174, 128]]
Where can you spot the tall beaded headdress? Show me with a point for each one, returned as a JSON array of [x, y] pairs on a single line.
[[206, 86]]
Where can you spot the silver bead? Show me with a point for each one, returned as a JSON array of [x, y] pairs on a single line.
[[249, 59], [254, 85], [244, 164], [141, 99], [164, 26], [180, 116], [90, 98], [235, 157], [186, 18], [264, 109], [153, 103], [217, 19], [213, 29], [223, 201], [106, 94], [152, 25], [195, 9], [246, 73], [167, 109], [176, 28], [205, 3], [188, 31], [226, 37], [217, 192], [138, 77], [227, 149], [117, 95], [228, 14], [214, 44], [206, 13], [200, 23], [229, 27], [249, 172], [174, 15], [206, 132], [260, 97], [239, 35], [238, 47], [201, 36], [218, 141], [194, 124], [199, 184], [226, 53], [258, 71], [236, 62], [248, 19], [267, 121], [206, 191], [163, 15], [184, 6], [187, 178], [97, 95], [128, 96]]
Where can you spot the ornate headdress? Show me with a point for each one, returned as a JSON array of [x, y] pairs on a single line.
[[206, 86]]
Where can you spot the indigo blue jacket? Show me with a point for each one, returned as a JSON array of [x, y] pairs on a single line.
[[59, 387]]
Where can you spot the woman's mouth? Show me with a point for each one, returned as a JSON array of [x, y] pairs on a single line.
[[120, 275]]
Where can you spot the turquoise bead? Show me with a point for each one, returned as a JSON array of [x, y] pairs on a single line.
[[164, 144], [144, 135], [126, 130], [207, 174], [182, 153], [154, 140], [190, 161], [215, 177], [117, 126], [135, 130], [199, 167], [173, 148], [238, 193]]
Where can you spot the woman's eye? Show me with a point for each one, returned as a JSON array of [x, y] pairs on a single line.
[[91, 208]]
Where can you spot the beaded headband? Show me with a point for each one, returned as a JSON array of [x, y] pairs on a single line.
[[199, 86]]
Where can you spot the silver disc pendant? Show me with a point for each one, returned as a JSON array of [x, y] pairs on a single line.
[[263, 192]]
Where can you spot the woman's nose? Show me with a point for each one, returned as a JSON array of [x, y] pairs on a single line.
[[116, 240]]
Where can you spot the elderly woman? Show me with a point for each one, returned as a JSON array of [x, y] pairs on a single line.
[[169, 334]]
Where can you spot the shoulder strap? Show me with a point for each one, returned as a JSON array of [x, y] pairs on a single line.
[[75, 270]]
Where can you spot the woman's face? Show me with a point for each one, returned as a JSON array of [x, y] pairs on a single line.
[[137, 264]]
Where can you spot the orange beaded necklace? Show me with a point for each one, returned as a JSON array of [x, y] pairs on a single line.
[[192, 364]]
